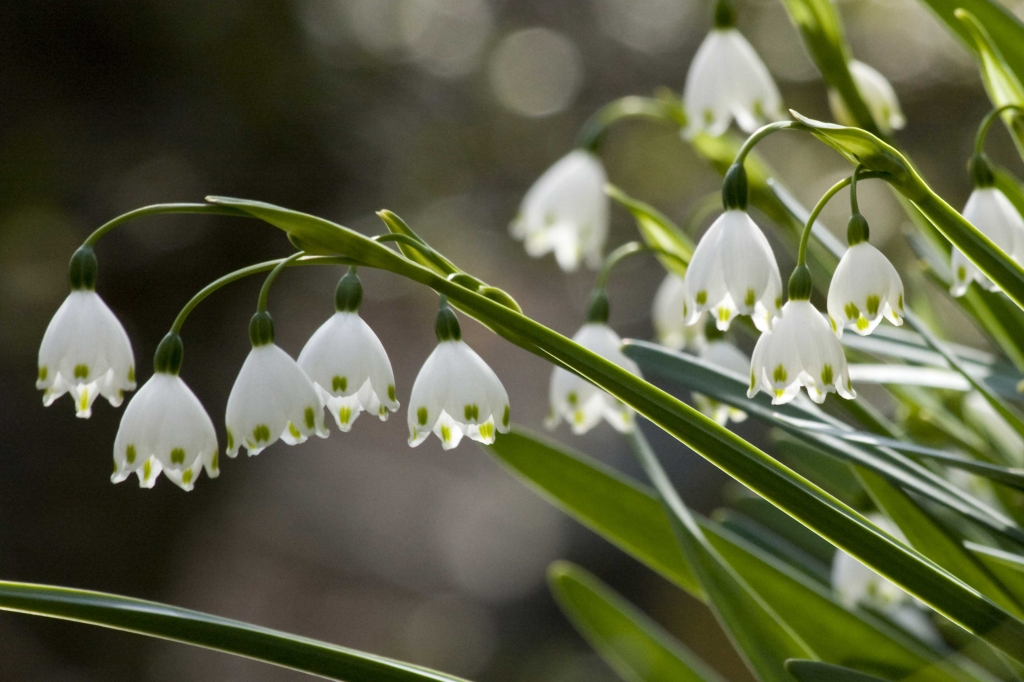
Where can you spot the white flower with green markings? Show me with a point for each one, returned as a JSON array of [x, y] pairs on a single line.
[[347, 362], [877, 93], [991, 212], [733, 272], [166, 429], [723, 355], [85, 350], [578, 401], [272, 397], [456, 393], [865, 286], [670, 327], [566, 212], [800, 350], [727, 80]]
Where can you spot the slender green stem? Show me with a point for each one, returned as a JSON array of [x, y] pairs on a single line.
[[854, 206], [631, 107], [159, 209], [256, 269], [625, 251], [261, 303], [805, 236], [986, 123], [760, 134], [424, 248]]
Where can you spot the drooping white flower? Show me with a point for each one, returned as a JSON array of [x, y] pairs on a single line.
[[272, 399], [165, 428], [85, 352], [865, 287], [991, 212], [667, 314], [456, 393], [348, 363], [581, 403], [727, 80], [800, 350], [725, 355], [566, 212], [733, 272], [877, 93]]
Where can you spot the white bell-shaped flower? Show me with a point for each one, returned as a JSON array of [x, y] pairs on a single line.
[[566, 212], [578, 401], [991, 212], [733, 272], [800, 350], [348, 363], [165, 428], [877, 93], [85, 350], [456, 393], [725, 355], [272, 397], [667, 314], [865, 288], [727, 80]]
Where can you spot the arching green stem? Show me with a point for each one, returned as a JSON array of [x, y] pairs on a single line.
[[159, 209], [631, 107], [854, 206], [256, 269], [261, 303], [805, 236], [760, 134], [625, 251], [986, 123]]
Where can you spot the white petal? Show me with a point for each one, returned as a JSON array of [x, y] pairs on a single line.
[[877, 93], [86, 351], [670, 326], [566, 211], [272, 399]]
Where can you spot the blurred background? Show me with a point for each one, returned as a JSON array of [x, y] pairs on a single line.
[[443, 111]]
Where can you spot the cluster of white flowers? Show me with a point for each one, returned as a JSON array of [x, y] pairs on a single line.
[[342, 367]]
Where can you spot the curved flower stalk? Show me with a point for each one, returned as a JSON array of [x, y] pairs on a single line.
[[991, 212], [800, 350], [865, 286], [670, 327], [456, 393], [272, 398], [85, 350], [165, 428], [578, 401], [733, 272], [566, 212], [727, 80], [877, 93], [721, 353], [347, 362]]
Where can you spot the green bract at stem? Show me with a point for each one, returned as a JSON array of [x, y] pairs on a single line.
[[440, 261], [625, 251], [632, 107], [158, 209], [815, 508], [256, 269]]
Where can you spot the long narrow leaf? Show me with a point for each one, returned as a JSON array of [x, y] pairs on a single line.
[[583, 488], [211, 632], [812, 506], [1002, 25], [657, 230], [1008, 567], [816, 671], [635, 646]]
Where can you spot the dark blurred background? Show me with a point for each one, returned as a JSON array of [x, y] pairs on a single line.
[[443, 111]]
